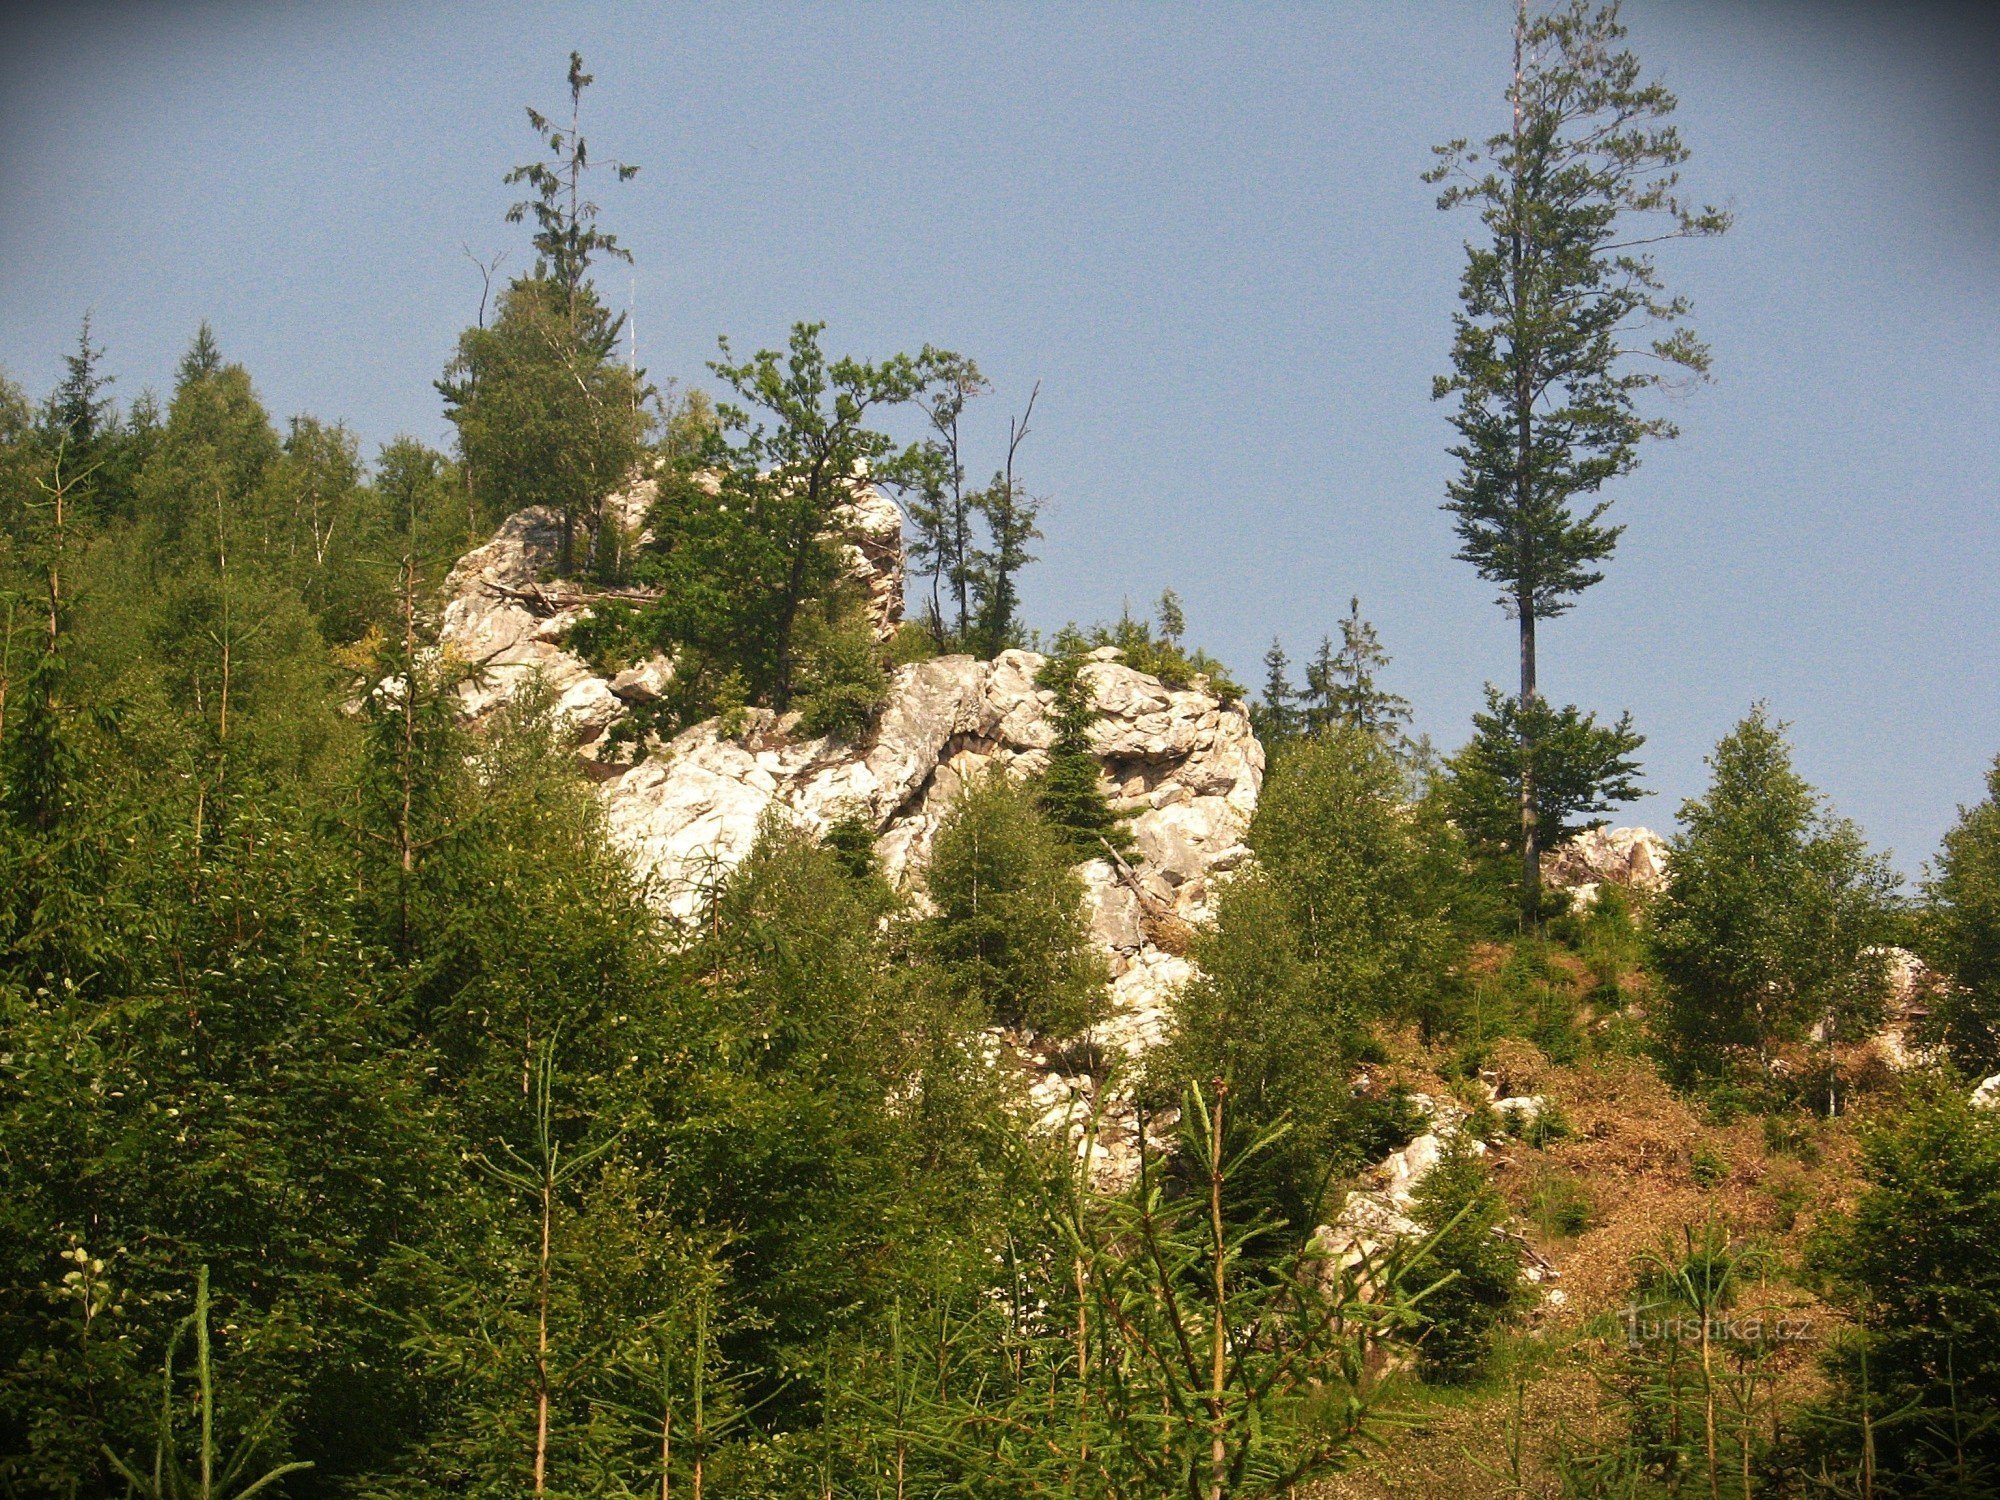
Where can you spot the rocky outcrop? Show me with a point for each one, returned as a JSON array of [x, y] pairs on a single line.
[[1382, 1216], [1632, 858], [1181, 763]]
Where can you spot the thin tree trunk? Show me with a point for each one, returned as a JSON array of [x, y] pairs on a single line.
[[542, 1342], [1218, 1447], [1524, 599]]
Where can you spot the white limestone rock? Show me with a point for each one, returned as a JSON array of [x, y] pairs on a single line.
[[1183, 763], [1634, 858]]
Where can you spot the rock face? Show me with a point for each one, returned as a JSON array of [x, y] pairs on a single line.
[[1183, 765], [1634, 858], [1375, 1220]]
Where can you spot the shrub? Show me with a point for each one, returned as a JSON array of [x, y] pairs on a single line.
[[1010, 934], [1458, 1203], [1917, 1263], [841, 682], [1708, 1167]]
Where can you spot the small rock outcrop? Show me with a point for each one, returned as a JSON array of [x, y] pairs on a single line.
[[1632, 858], [1182, 763]]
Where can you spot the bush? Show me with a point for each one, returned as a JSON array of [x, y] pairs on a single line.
[[1708, 1167], [1558, 1205], [1010, 934], [841, 683], [1917, 1264], [1458, 1203]]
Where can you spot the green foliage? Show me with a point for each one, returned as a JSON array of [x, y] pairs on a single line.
[[1707, 1166], [1162, 655], [165, 1478], [1960, 924], [545, 412], [1478, 1272], [744, 556], [1559, 1205], [1010, 937], [841, 681], [1550, 298], [1371, 877], [1254, 1017], [1550, 349], [566, 235], [1345, 921], [1765, 929], [1070, 791], [1917, 1263], [1692, 1381], [1580, 768]]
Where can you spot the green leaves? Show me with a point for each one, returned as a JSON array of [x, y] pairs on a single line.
[[1551, 300], [1010, 937], [1765, 928], [1581, 768], [1961, 933]]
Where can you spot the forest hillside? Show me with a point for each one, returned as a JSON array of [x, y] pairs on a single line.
[[616, 959]]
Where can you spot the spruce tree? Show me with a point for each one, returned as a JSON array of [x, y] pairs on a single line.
[[1276, 716], [1359, 699], [1766, 929], [1564, 325], [1581, 768], [1068, 791]]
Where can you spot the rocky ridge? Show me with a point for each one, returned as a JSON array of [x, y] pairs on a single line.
[[1182, 763]]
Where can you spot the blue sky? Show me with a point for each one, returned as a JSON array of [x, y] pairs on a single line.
[[1202, 230]]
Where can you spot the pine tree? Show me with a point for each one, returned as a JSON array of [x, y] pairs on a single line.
[[1359, 699], [1549, 355], [1276, 717]]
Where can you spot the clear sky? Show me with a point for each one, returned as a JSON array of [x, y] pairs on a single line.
[[1201, 229]]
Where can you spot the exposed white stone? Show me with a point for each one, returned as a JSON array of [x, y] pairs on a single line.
[[1182, 762], [1635, 858]]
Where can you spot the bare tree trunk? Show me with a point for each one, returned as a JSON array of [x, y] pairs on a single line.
[[1218, 1447], [542, 1342]]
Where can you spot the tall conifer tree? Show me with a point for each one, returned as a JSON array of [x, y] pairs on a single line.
[[1565, 322]]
